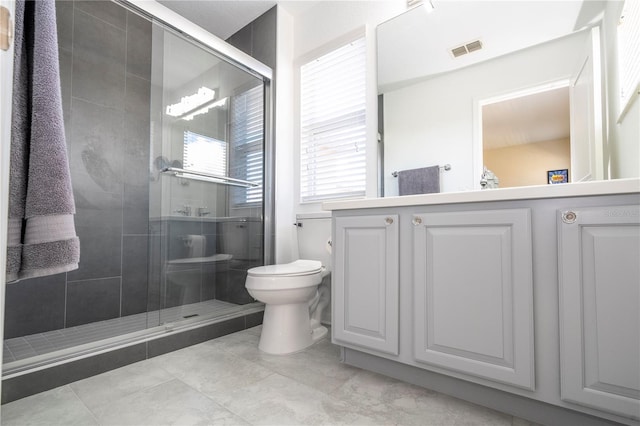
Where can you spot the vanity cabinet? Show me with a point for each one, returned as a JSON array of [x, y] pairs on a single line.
[[473, 295], [472, 290], [365, 282], [599, 283], [528, 305]]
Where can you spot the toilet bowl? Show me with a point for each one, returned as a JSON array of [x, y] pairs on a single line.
[[286, 291], [293, 304]]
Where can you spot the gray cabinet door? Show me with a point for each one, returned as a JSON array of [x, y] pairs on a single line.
[[473, 294], [365, 282], [599, 254]]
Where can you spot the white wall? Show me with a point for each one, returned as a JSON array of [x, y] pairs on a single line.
[[285, 250], [432, 122], [305, 30], [320, 29], [624, 136], [625, 148]]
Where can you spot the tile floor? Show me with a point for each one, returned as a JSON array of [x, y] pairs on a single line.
[[227, 381]]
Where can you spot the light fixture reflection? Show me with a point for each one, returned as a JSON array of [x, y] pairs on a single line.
[[202, 109], [189, 103]]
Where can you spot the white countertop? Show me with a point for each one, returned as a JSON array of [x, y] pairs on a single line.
[[581, 189]]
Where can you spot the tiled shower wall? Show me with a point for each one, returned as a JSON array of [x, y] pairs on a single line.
[[105, 66], [105, 60]]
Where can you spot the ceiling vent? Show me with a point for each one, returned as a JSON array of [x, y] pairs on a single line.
[[466, 48]]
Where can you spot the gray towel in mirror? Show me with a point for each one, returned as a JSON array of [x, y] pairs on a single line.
[[425, 180]]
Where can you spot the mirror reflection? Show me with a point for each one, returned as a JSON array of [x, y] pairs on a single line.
[[443, 73], [516, 148]]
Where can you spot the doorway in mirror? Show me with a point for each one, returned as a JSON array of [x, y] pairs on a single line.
[[527, 133]]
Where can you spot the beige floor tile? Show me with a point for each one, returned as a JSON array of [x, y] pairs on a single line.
[[57, 407], [170, 403], [100, 392], [210, 370], [396, 402], [279, 400], [229, 381]]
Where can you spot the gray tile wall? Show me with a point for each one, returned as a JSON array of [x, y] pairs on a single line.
[[105, 62], [258, 38]]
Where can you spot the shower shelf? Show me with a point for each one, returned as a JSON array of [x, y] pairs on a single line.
[[207, 177]]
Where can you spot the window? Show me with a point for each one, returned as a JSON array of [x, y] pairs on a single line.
[[332, 124], [204, 154], [629, 51], [247, 140]]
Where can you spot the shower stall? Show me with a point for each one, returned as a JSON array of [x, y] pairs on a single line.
[[168, 134]]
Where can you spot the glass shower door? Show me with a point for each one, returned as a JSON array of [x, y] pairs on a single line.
[[206, 194]]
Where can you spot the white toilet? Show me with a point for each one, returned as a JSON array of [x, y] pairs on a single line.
[[293, 305]]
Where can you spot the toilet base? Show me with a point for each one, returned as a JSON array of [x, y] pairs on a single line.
[[287, 329]]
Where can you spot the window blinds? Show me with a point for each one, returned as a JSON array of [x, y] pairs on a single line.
[[332, 124], [204, 154], [247, 140], [629, 51]]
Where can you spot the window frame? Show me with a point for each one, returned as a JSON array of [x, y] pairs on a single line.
[[361, 33]]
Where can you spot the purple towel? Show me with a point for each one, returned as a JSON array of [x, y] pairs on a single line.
[[41, 235], [419, 181]]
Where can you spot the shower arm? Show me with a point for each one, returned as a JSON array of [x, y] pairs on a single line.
[[207, 177]]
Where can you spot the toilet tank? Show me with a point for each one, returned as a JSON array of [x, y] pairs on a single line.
[[314, 233]]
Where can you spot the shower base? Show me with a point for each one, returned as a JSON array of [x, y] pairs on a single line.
[[23, 348]]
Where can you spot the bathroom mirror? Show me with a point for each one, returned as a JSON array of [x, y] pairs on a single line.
[[439, 63]]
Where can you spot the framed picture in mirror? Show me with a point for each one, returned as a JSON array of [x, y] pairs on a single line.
[[558, 176]]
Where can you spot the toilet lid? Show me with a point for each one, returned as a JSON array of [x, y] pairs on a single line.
[[299, 267]]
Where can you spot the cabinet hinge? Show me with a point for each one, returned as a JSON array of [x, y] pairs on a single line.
[[6, 28]]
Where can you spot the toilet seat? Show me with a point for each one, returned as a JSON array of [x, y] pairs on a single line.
[[295, 275], [298, 268]]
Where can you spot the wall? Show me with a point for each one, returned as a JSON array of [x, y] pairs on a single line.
[[286, 242], [527, 164], [431, 123], [106, 59], [258, 38], [105, 103], [625, 148], [302, 28], [624, 136]]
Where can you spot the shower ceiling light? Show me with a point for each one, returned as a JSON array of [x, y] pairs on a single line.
[[191, 103]]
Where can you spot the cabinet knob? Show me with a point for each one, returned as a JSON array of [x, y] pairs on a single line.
[[416, 221], [569, 217], [388, 221]]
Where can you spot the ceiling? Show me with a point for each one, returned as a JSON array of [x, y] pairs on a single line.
[[418, 43], [222, 18], [518, 120]]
